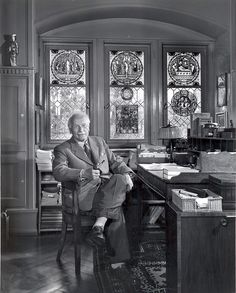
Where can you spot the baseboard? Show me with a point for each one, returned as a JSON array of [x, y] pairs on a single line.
[[22, 221]]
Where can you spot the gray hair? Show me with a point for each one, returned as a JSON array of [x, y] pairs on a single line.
[[78, 115]]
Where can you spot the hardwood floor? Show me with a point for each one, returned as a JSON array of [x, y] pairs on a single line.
[[29, 265]]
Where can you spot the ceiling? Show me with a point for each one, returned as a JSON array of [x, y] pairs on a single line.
[[210, 17]]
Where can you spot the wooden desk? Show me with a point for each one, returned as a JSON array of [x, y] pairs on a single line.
[[162, 187], [154, 190], [200, 245]]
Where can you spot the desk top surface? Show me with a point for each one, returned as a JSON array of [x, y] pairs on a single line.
[[171, 173]]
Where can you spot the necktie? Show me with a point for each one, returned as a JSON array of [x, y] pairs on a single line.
[[87, 150]]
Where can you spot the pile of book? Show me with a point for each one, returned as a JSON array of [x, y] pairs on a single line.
[[51, 218], [44, 160], [50, 199], [152, 214]]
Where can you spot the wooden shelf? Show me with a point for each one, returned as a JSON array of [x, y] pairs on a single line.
[[212, 138], [49, 182], [199, 144], [49, 215], [153, 201]]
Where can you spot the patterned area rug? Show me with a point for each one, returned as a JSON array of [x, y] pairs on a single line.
[[146, 271]]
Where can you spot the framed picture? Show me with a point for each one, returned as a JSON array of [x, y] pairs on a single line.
[[222, 89], [222, 119]]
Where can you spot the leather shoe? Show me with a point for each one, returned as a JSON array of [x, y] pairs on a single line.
[[96, 237]]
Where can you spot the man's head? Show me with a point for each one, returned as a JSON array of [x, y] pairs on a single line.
[[78, 125]]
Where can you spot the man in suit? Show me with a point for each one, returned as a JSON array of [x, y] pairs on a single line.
[[103, 181]]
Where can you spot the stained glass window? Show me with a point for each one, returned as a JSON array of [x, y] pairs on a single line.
[[67, 89], [184, 92], [126, 95]]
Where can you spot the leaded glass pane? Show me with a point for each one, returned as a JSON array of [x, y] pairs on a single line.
[[67, 67], [183, 69], [126, 94], [127, 113], [181, 102], [126, 67], [63, 102]]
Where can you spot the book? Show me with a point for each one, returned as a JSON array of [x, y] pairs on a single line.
[[158, 210], [146, 216], [44, 160]]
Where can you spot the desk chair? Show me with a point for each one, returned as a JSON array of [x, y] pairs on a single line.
[[73, 216]]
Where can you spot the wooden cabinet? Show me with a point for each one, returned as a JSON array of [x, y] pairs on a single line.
[[17, 148], [200, 251], [13, 141], [49, 202]]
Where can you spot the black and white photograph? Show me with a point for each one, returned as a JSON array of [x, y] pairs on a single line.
[[118, 146]]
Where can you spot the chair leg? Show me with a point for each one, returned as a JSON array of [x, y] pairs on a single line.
[[77, 231], [62, 241], [77, 248]]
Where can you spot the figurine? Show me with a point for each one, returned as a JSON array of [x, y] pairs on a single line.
[[13, 50]]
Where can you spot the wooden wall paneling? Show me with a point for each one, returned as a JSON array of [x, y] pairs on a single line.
[[13, 114], [13, 180]]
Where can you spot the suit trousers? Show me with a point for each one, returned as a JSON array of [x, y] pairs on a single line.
[[107, 203]]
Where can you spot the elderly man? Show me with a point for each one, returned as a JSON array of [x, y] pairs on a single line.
[[103, 180]]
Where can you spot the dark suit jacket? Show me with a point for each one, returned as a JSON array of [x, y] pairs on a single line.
[[70, 159]]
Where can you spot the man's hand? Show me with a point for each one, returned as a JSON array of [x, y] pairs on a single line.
[[91, 174], [129, 182]]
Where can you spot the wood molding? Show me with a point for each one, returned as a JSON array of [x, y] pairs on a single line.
[[16, 70], [23, 221]]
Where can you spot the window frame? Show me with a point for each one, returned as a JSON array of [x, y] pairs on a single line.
[[147, 69], [203, 49], [47, 46]]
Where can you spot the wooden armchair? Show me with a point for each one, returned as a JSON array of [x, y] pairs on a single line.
[[73, 217]]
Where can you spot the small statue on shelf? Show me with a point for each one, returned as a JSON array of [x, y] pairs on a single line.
[[13, 50]]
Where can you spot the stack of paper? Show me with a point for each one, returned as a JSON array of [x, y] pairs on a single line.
[[44, 160], [202, 203], [157, 166], [50, 199], [171, 171]]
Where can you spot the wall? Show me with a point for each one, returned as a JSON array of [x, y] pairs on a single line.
[[132, 30], [15, 19], [176, 21]]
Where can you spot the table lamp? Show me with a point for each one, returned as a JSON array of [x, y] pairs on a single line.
[[169, 133]]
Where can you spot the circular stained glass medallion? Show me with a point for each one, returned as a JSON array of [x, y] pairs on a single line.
[[127, 93], [67, 67], [183, 68], [126, 67], [184, 103]]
